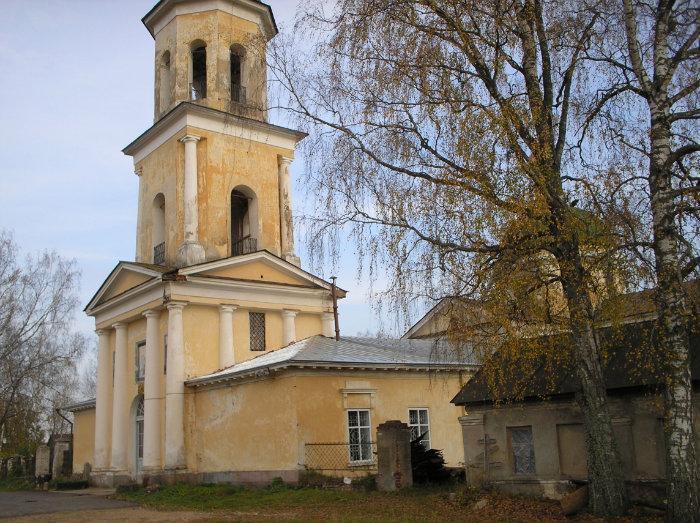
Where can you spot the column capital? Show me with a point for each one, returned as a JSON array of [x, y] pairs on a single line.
[[101, 332], [151, 313], [190, 138], [119, 325], [138, 171], [284, 161], [176, 305], [227, 307], [286, 313]]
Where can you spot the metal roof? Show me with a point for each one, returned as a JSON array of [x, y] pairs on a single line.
[[80, 405], [350, 352]]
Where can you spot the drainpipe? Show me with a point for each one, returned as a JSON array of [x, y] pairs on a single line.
[[335, 309]]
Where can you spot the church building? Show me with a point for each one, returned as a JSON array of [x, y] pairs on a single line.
[[218, 358]]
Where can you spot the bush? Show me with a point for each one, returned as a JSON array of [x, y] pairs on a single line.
[[428, 465], [71, 484]]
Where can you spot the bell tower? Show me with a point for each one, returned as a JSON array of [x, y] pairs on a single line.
[[214, 176], [211, 53]]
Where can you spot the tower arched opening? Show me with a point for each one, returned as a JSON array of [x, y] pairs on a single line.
[[158, 234], [198, 77], [244, 221]]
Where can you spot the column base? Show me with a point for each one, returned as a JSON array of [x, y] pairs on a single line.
[[293, 259], [190, 253], [110, 478]]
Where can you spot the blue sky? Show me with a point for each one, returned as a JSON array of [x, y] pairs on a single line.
[[77, 87]]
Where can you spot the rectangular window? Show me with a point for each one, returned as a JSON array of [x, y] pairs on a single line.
[[522, 449], [420, 426], [140, 363], [165, 354], [359, 436], [257, 331]]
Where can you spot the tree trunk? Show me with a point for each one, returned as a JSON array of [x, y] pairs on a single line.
[[674, 320], [608, 494]]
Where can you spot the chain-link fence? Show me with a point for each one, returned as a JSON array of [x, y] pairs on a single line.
[[340, 456]]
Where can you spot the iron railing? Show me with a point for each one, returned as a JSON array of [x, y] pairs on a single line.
[[340, 456], [198, 91], [245, 245], [159, 254], [238, 93]]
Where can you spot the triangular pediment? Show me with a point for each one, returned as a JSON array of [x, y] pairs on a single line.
[[124, 277], [260, 266]]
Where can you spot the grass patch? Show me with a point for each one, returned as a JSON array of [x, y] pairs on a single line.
[[11, 484]]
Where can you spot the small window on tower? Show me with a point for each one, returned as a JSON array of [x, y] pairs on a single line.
[[257, 331], [237, 89], [198, 87]]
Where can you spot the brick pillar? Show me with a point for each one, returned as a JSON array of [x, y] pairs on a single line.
[[394, 456]]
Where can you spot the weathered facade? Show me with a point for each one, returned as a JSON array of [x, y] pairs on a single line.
[[199, 368], [536, 444]]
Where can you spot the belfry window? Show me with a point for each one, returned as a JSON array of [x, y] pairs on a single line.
[[237, 89], [198, 86]]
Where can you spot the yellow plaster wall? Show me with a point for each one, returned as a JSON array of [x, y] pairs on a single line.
[[83, 439], [264, 424], [125, 281], [308, 325], [248, 427], [224, 163], [161, 172], [258, 271], [201, 326]]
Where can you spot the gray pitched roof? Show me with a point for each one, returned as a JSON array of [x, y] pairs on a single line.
[[349, 352]]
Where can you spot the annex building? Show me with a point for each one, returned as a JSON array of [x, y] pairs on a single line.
[[217, 352]]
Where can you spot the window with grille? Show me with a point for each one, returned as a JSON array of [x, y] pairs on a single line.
[[140, 363], [257, 331], [523, 449], [359, 436], [419, 423]]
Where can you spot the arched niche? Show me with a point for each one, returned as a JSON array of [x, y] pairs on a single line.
[[158, 229], [164, 72]]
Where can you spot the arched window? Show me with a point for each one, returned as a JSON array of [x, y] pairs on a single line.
[[138, 431], [244, 221], [165, 81], [198, 86], [158, 233], [237, 57]]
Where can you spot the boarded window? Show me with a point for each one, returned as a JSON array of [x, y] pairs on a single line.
[[257, 331], [522, 449], [571, 440]]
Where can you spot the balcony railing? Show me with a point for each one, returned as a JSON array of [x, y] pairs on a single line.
[[238, 93], [159, 254], [198, 91], [244, 246]]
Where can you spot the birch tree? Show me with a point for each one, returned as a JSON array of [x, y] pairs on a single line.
[[653, 69], [439, 137], [38, 346]]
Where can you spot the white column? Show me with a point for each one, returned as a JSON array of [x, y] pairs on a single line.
[[286, 222], [120, 406], [103, 405], [190, 252], [289, 327], [226, 355], [328, 324], [175, 390], [152, 393]]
